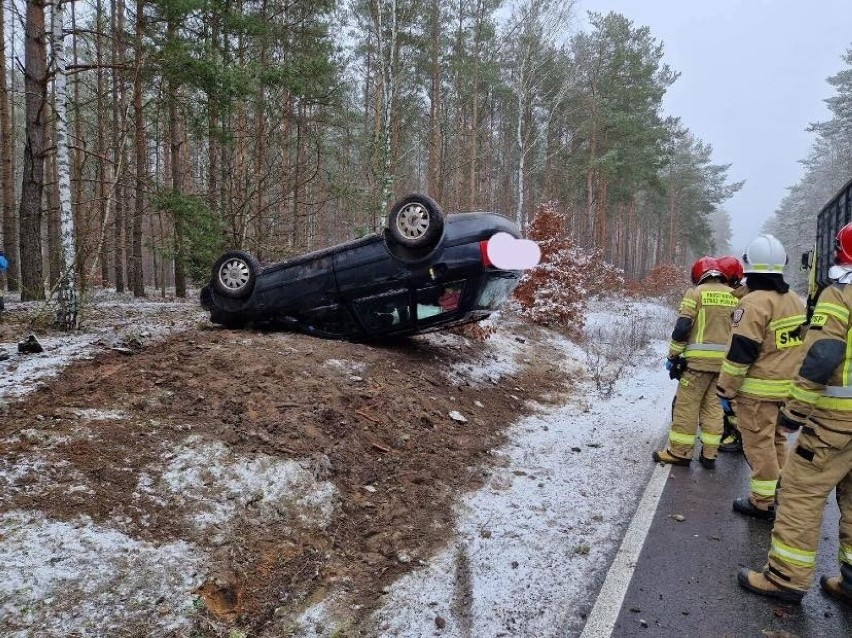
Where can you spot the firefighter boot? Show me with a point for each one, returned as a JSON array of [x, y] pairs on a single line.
[[758, 583], [732, 444], [839, 587], [747, 508], [706, 463], [664, 456]]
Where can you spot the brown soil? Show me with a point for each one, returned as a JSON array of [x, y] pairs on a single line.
[[274, 394]]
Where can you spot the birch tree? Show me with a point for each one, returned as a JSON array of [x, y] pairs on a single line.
[[534, 31], [67, 316], [384, 14]]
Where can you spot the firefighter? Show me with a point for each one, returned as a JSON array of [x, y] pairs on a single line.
[[764, 354], [4, 264], [732, 269], [700, 338], [820, 408]]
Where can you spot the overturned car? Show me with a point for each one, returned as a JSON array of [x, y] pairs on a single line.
[[425, 271]]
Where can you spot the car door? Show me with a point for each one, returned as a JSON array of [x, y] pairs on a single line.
[[388, 312]]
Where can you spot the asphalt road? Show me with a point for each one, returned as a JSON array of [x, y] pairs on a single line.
[[685, 580]]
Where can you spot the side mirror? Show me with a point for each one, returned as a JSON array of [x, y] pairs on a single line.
[[807, 260]]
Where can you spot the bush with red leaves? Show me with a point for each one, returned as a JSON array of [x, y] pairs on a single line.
[[668, 281], [555, 292]]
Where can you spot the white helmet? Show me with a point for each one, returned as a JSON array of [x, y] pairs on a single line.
[[765, 255]]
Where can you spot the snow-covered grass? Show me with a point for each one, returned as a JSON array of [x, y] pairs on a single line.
[[60, 579], [222, 486], [617, 335], [500, 359], [144, 321]]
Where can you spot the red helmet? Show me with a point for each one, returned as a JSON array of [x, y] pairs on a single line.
[[704, 267], [732, 269], [843, 246]]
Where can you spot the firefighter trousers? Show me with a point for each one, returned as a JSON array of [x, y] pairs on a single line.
[[821, 462], [696, 406], [764, 446]]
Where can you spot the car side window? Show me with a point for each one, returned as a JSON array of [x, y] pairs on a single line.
[[331, 320], [387, 311], [438, 300]]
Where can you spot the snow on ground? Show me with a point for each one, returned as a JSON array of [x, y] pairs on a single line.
[[42, 594], [145, 320], [536, 541], [223, 485], [42, 561], [499, 359], [531, 548]]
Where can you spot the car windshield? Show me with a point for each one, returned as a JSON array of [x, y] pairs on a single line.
[[496, 291]]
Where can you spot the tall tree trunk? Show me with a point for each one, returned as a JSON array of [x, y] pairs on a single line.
[[591, 185], [7, 174], [212, 120], [435, 182], [520, 168], [287, 183], [80, 204], [51, 192], [602, 237], [297, 175], [673, 230], [260, 181], [67, 316], [103, 173], [388, 66], [590, 206], [32, 182], [175, 142], [118, 123], [136, 272], [473, 181]]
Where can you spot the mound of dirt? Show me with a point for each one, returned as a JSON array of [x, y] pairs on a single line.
[[295, 466]]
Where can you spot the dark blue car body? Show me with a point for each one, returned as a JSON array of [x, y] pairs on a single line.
[[371, 288]]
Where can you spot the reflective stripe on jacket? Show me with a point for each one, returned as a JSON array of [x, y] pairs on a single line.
[[765, 349], [708, 306], [823, 388]]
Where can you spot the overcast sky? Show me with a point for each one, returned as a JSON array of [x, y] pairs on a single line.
[[752, 77]]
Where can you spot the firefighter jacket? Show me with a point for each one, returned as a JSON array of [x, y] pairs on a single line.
[[823, 389], [766, 346], [740, 291], [703, 327]]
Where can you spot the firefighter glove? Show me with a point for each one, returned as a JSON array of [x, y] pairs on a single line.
[[789, 420], [726, 405], [676, 367]]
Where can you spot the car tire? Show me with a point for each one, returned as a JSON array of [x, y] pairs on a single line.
[[234, 274], [416, 222]]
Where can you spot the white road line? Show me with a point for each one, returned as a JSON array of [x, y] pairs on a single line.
[[604, 614]]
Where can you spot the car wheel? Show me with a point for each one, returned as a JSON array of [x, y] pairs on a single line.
[[416, 221], [235, 273]]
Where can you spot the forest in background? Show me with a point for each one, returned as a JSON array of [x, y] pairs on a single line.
[[826, 169], [282, 126]]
